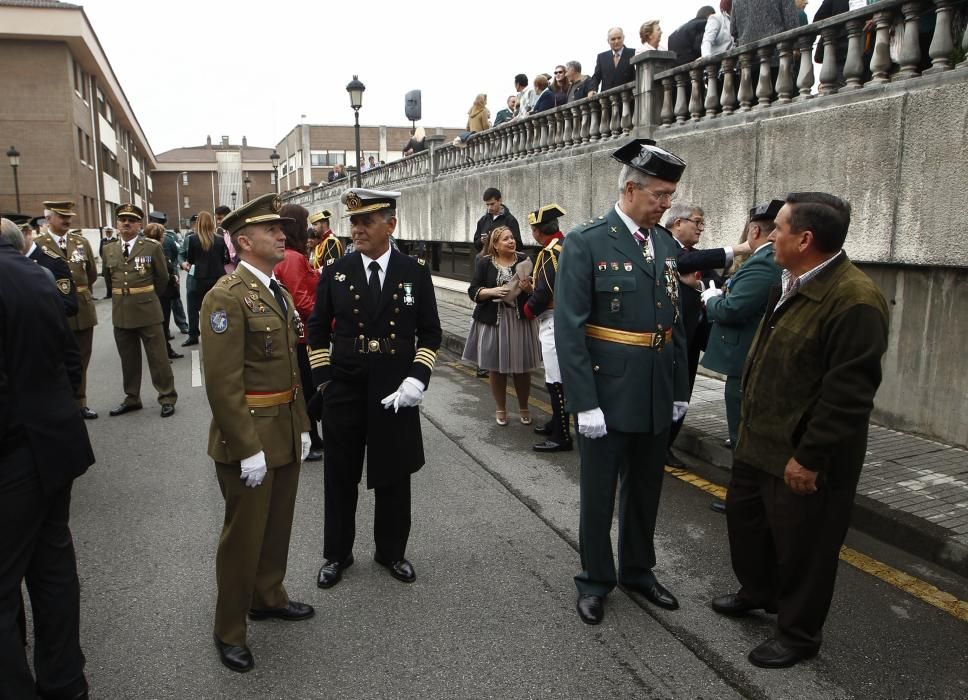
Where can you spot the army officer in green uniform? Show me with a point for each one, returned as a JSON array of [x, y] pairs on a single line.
[[77, 252], [138, 273], [260, 430], [621, 348]]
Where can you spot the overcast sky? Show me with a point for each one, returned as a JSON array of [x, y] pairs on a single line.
[[193, 68]]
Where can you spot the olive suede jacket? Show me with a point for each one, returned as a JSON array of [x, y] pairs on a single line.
[[811, 375]]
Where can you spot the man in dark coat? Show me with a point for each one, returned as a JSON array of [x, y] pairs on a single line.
[[808, 391], [21, 237], [497, 215], [376, 308], [613, 67], [686, 41], [44, 446]]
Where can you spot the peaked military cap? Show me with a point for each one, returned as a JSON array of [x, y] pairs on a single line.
[[646, 157], [361, 201], [158, 217], [320, 216], [63, 207], [545, 214], [38, 221], [22, 221], [766, 212], [261, 210], [131, 210]]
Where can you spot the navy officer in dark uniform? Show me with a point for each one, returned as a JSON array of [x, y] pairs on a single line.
[[373, 339], [23, 240]]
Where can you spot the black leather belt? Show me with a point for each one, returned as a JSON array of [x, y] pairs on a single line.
[[365, 346]]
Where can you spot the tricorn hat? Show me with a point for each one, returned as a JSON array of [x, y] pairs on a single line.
[[261, 210], [646, 157], [766, 212], [320, 216], [545, 214]]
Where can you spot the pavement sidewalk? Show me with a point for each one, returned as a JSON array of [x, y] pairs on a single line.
[[913, 492]]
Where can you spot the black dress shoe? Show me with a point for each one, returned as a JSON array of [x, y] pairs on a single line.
[[332, 571], [167, 410], [401, 569], [672, 461], [88, 414], [315, 454], [658, 595], [591, 608], [718, 506], [122, 409], [552, 446], [236, 658], [775, 654], [482, 373], [543, 429], [293, 612], [190, 341], [735, 606], [172, 355]]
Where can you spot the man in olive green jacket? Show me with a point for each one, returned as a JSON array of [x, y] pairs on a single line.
[[808, 391]]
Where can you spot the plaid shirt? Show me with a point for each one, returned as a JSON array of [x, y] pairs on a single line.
[[792, 283]]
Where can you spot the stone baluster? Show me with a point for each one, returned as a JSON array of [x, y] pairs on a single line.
[[520, 142], [668, 111], [910, 58], [854, 66], [881, 59], [941, 43], [745, 82], [594, 120], [805, 75], [530, 136], [712, 91], [828, 70], [627, 106], [764, 87], [616, 123], [728, 99], [604, 122], [567, 134], [784, 76], [585, 111], [545, 126], [682, 103], [695, 94], [562, 119]]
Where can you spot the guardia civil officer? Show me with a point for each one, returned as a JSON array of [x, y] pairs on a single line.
[[139, 273], [541, 305], [377, 309], [621, 347], [330, 248], [74, 249]]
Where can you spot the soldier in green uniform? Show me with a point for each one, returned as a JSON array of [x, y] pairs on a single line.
[[329, 249], [621, 347], [260, 430], [138, 274], [79, 255]]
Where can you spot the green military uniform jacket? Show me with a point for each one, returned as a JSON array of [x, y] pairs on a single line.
[[605, 279], [812, 372], [249, 345], [80, 260], [736, 315], [136, 282]]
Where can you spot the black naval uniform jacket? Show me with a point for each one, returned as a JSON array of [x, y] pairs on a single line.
[[375, 351], [545, 271], [62, 277]]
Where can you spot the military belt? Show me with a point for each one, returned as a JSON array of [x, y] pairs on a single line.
[[614, 335], [365, 346], [265, 399], [81, 287], [125, 291]]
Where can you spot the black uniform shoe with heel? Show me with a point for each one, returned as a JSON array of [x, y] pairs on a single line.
[[401, 569], [122, 409], [331, 572], [239, 659], [88, 414], [773, 653], [591, 608], [293, 612]]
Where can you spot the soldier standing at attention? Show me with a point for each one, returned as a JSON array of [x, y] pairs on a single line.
[[74, 249], [541, 305], [622, 350], [329, 249], [377, 308], [259, 433], [139, 272]]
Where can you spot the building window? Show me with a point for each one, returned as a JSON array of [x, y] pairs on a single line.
[[322, 159], [90, 149], [109, 164], [184, 178], [80, 145], [186, 203]]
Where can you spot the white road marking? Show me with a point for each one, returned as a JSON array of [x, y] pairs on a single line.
[[196, 369]]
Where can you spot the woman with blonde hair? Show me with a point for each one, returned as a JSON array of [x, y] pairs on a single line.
[[478, 116], [650, 33], [207, 252]]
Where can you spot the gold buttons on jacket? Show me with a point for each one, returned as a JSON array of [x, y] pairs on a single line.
[[393, 323], [616, 289]]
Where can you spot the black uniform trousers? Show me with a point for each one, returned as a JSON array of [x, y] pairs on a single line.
[[36, 546], [785, 548], [306, 379], [345, 425], [195, 296], [635, 462]]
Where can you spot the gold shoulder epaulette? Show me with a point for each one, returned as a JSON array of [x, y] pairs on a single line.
[[229, 280], [48, 252]]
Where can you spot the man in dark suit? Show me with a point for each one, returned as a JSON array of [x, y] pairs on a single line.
[[613, 67], [376, 308], [18, 233], [546, 98], [44, 446]]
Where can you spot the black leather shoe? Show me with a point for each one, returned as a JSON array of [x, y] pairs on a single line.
[[552, 446], [482, 373], [658, 595], [591, 608], [238, 659], [167, 410], [293, 612], [718, 506], [672, 461], [734, 606], [315, 454], [190, 341], [543, 429], [184, 330], [331, 572], [775, 654], [88, 414], [122, 409], [172, 355], [402, 570]]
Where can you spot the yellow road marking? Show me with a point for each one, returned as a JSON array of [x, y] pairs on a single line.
[[922, 590]]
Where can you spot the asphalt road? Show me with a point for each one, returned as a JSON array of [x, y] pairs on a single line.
[[492, 611]]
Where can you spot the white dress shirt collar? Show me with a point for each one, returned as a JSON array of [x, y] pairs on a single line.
[[259, 274], [383, 261], [33, 247], [633, 227]]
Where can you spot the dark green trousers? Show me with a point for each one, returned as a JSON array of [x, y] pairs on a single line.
[[634, 463], [734, 401]]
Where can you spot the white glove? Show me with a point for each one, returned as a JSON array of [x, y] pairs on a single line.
[[409, 394], [254, 469], [679, 409], [591, 423], [307, 445], [711, 292]]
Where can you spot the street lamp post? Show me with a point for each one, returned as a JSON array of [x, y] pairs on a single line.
[[178, 199], [248, 186], [233, 200], [14, 155], [355, 88], [275, 158]]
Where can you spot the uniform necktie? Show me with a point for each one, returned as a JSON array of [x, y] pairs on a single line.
[[63, 244], [374, 283], [126, 251], [281, 300]]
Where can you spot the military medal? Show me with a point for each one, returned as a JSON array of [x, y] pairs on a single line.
[[249, 303], [614, 266], [268, 344], [602, 266], [672, 285], [339, 277], [628, 265], [616, 306], [298, 323], [408, 293]]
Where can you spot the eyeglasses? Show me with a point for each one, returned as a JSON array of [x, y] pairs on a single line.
[[698, 222], [669, 197]]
